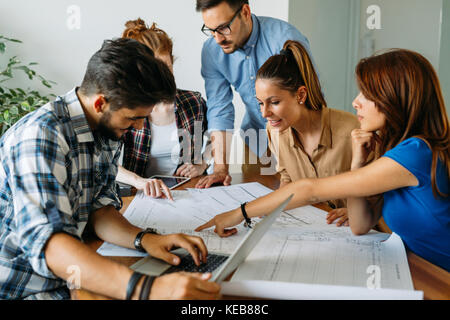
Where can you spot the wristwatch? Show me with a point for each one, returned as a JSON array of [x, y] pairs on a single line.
[[140, 235]]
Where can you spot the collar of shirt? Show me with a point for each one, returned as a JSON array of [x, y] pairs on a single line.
[[76, 113], [325, 138], [254, 36]]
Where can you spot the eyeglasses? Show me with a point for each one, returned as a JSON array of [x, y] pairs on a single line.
[[223, 30]]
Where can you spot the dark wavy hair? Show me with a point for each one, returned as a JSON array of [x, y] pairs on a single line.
[[208, 4], [406, 89], [127, 73]]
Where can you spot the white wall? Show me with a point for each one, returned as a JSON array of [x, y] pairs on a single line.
[[410, 24], [328, 25], [444, 64], [63, 54], [414, 25], [407, 24]]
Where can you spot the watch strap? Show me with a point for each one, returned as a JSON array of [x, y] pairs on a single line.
[[146, 287], [248, 221], [140, 235], [134, 279]]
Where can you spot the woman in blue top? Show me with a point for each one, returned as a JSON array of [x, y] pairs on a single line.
[[402, 114]]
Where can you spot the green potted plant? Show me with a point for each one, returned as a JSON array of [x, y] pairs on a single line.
[[17, 102]]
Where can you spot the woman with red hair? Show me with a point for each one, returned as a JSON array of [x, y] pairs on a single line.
[[402, 112], [172, 138]]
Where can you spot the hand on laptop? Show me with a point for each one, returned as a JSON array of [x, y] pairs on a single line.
[[222, 221], [185, 286], [159, 246]]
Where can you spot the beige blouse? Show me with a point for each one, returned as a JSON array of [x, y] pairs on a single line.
[[333, 155]]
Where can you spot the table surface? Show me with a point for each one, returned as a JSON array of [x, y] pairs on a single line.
[[432, 280]]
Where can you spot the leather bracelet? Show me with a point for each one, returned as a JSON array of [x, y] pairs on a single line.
[[248, 221], [146, 288], [135, 277]]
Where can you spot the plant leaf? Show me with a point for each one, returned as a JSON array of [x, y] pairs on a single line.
[[45, 83], [14, 111]]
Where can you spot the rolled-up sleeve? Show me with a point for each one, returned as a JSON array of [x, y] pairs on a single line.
[[219, 95], [108, 195], [38, 181]]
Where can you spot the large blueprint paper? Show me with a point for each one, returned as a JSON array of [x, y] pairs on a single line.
[[300, 257], [319, 257]]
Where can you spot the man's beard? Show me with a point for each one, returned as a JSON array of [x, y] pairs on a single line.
[[104, 128], [232, 48]]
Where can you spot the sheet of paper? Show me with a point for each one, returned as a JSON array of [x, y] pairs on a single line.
[[300, 291], [318, 257], [189, 210]]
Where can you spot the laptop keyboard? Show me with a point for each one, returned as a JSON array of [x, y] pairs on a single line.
[[187, 264]]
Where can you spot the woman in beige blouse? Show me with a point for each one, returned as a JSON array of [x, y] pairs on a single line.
[[308, 139]]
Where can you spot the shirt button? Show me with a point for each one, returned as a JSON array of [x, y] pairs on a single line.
[[248, 57], [252, 78]]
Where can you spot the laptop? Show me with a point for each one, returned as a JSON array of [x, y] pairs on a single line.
[[221, 266]]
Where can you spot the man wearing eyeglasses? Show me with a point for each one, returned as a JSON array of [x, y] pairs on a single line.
[[239, 44]]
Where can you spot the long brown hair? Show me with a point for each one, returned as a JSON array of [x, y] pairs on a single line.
[[405, 87], [153, 37], [292, 69]]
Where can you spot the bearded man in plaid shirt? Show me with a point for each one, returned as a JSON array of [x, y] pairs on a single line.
[[57, 174]]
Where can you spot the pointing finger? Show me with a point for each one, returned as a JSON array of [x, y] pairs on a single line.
[[207, 225]]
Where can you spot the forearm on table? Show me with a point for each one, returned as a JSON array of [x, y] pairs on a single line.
[[96, 273], [361, 216], [110, 226]]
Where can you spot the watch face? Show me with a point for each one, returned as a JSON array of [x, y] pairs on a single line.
[[138, 240]]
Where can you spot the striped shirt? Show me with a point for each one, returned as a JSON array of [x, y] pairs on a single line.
[[54, 172], [190, 115]]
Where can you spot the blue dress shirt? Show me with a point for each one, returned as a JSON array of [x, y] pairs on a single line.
[[221, 71]]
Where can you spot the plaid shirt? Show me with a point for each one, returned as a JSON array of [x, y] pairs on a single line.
[[50, 160], [190, 114]]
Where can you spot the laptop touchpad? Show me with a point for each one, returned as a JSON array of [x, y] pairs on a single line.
[[154, 267]]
